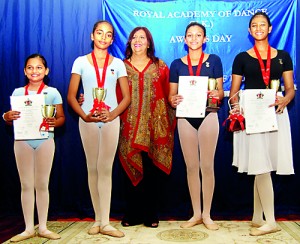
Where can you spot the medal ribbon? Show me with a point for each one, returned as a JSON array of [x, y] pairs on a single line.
[[265, 71], [44, 123], [98, 105], [198, 67], [99, 80], [42, 85]]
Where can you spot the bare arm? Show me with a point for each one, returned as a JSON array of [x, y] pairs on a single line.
[[174, 98], [72, 100], [59, 118], [10, 116], [282, 102], [219, 92], [235, 87]]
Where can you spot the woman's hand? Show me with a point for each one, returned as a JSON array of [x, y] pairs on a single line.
[[214, 94], [280, 102], [51, 121], [105, 115], [235, 108], [175, 100], [99, 116], [11, 115], [80, 99]]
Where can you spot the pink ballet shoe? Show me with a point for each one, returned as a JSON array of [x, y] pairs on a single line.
[[189, 224]]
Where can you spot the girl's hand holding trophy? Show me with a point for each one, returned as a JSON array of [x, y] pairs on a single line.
[[48, 112]]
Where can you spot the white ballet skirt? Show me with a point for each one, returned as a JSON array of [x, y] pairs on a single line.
[[265, 152]]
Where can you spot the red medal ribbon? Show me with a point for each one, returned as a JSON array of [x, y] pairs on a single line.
[[42, 85], [198, 67], [98, 105], [99, 80], [44, 123], [215, 101], [236, 122], [265, 71]]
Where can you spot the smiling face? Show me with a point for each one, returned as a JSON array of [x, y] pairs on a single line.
[[102, 35], [139, 42], [35, 70], [259, 27], [195, 37]]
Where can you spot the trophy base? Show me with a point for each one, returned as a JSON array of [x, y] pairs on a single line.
[[212, 109]]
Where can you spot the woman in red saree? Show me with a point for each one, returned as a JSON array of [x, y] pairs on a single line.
[[147, 129]]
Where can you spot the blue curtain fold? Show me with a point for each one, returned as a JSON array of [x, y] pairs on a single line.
[[60, 30]]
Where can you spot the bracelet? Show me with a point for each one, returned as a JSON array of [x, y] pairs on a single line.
[[4, 117]]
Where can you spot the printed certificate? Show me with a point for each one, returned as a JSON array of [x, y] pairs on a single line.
[[259, 117], [194, 92], [28, 125]]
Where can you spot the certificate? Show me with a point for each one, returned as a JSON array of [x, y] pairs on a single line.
[[194, 92], [259, 117], [28, 125]]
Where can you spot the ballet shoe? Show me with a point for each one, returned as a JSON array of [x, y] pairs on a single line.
[[257, 225], [113, 233], [20, 237], [210, 224], [213, 226], [258, 232], [50, 236], [94, 230], [189, 224]]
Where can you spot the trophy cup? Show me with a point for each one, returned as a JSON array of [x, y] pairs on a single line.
[[48, 111], [274, 84], [99, 95], [212, 102]]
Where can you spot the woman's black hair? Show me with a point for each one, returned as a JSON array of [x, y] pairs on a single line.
[[95, 27], [151, 48], [194, 23], [260, 14], [44, 61]]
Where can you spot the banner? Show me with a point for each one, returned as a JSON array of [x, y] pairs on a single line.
[[226, 23]]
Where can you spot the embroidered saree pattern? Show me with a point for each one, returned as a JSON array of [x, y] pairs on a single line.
[[148, 123]]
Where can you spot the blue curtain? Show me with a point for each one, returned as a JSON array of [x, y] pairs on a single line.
[[60, 30]]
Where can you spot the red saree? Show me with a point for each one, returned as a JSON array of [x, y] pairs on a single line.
[[148, 123]]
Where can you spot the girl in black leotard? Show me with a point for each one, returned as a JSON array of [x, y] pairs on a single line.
[[198, 136]]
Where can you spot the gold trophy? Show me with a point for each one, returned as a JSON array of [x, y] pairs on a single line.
[[212, 102], [48, 111], [274, 84], [99, 93]]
